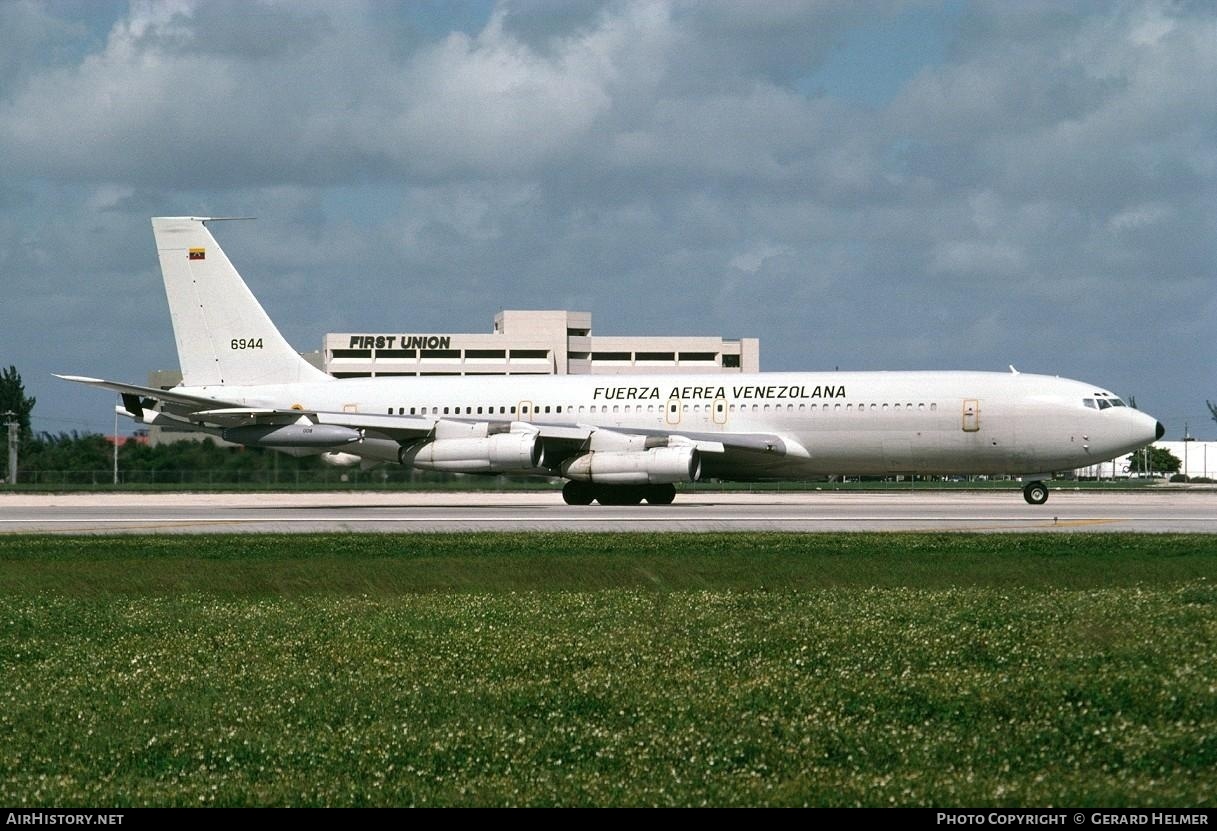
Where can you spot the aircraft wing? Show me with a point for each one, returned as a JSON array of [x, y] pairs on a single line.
[[215, 416]]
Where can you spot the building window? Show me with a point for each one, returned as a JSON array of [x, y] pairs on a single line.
[[473, 354], [731, 361], [699, 356], [529, 353], [610, 356], [655, 356], [441, 353]]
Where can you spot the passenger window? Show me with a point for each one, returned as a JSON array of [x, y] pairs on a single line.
[[547, 408], [559, 408], [411, 411]]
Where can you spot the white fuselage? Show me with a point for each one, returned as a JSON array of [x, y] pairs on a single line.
[[846, 423]]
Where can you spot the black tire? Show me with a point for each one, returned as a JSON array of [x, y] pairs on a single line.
[[618, 494], [1036, 493], [660, 494], [578, 493]]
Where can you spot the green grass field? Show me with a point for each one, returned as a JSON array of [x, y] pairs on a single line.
[[565, 669]]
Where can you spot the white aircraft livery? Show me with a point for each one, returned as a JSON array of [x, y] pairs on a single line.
[[616, 439]]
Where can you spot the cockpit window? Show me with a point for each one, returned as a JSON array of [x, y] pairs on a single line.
[[1115, 402], [1104, 403], [1089, 402]]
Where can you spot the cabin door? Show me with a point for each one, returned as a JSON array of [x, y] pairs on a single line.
[[971, 415]]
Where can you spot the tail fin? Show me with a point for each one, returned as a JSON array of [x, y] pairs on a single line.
[[224, 337]]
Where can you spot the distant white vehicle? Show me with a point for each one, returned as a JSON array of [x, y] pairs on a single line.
[[617, 440]]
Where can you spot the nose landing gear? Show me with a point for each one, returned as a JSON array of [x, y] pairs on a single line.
[[1036, 493]]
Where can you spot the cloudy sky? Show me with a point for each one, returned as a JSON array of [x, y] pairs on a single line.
[[863, 185]]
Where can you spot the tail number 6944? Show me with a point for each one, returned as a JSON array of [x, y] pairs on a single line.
[[247, 343]]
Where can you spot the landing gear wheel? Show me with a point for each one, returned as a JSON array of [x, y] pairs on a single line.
[[578, 493], [1036, 493], [660, 494], [619, 495]]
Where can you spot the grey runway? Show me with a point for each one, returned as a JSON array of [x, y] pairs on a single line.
[[1173, 510]]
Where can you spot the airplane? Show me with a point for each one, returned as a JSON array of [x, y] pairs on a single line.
[[617, 440]]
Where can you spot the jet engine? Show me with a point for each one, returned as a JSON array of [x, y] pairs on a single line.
[[657, 466], [291, 435], [500, 453]]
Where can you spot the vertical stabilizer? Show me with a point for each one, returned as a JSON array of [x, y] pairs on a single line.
[[224, 337]]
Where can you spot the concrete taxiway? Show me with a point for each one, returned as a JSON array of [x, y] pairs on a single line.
[[826, 511]]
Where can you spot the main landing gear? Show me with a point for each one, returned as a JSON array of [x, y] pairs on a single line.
[[1036, 493], [584, 493]]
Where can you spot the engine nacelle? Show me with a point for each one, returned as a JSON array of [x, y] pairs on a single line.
[[501, 453], [658, 466], [291, 435]]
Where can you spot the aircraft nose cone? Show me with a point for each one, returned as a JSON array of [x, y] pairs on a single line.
[[1159, 431]]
